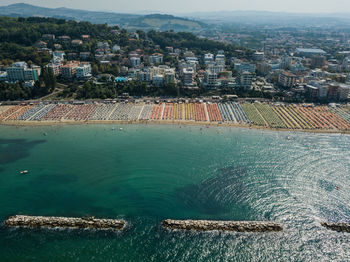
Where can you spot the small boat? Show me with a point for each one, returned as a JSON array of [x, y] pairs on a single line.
[[24, 172], [121, 129]]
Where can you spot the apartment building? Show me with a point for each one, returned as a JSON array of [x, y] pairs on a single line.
[[20, 71]]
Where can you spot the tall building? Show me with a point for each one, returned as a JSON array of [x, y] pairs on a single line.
[[158, 80], [208, 58], [258, 56], [144, 75], [21, 72], [55, 68], [169, 76], [344, 92], [135, 61], [215, 68], [220, 59], [245, 80], [188, 76], [287, 79], [263, 68], [322, 92], [210, 79], [318, 61], [333, 92], [69, 70]]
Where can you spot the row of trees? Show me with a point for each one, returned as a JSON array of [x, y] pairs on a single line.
[[111, 90]]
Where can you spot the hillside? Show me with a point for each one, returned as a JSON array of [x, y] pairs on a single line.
[[127, 21]]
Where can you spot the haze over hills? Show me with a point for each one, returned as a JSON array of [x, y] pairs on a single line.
[[129, 21], [191, 22], [270, 18]]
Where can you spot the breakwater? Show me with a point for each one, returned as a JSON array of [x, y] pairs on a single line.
[[339, 227], [209, 225], [64, 222]]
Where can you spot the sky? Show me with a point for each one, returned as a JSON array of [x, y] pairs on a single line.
[[189, 6]]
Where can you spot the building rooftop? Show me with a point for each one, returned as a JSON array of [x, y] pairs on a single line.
[[311, 50]]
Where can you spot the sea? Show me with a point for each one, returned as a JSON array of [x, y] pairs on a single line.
[[146, 173]]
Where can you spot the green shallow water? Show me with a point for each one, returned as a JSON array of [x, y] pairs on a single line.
[[144, 174]]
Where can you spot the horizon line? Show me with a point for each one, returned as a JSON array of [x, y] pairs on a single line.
[[148, 12]]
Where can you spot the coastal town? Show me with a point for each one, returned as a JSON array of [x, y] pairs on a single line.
[[145, 64], [174, 131], [118, 75]]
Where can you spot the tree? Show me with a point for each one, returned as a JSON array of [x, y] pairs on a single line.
[[49, 80]]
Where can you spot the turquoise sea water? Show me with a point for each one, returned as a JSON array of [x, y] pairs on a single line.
[[146, 173]]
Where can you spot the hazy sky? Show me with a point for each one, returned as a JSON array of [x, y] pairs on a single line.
[[186, 6]]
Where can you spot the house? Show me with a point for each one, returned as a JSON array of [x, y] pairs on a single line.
[[85, 37], [48, 37], [77, 42]]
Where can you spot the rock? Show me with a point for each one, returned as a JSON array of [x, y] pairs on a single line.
[[208, 225], [64, 222], [339, 227]]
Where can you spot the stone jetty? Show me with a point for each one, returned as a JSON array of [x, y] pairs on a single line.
[[64, 222], [209, 225], [339, 227]]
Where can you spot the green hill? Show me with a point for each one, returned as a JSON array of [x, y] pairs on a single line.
[[128, 21]]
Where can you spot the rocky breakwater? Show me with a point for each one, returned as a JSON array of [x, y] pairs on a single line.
[[339, 227], [64, 222], [210, 225]]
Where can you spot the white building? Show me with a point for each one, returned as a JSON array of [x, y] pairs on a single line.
[[135, 61], [220, 59], [156, 59], [103, 45], [116, 48], [55, 68], [245, 80], [208, 58], [183, 65], [258, 56], [216, 68], [83, 71], [188, 76], [58, 56]]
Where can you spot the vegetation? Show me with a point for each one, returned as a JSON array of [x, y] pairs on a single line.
[[199, 45], [19, 36], [111, 90], [20, 91]]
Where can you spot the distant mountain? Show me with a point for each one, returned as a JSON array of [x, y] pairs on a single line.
[[271, 18], [128, 21]]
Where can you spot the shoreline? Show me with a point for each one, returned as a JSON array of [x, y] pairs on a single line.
[[167, 122]]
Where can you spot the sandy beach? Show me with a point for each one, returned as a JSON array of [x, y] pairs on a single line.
[[166, 122]]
